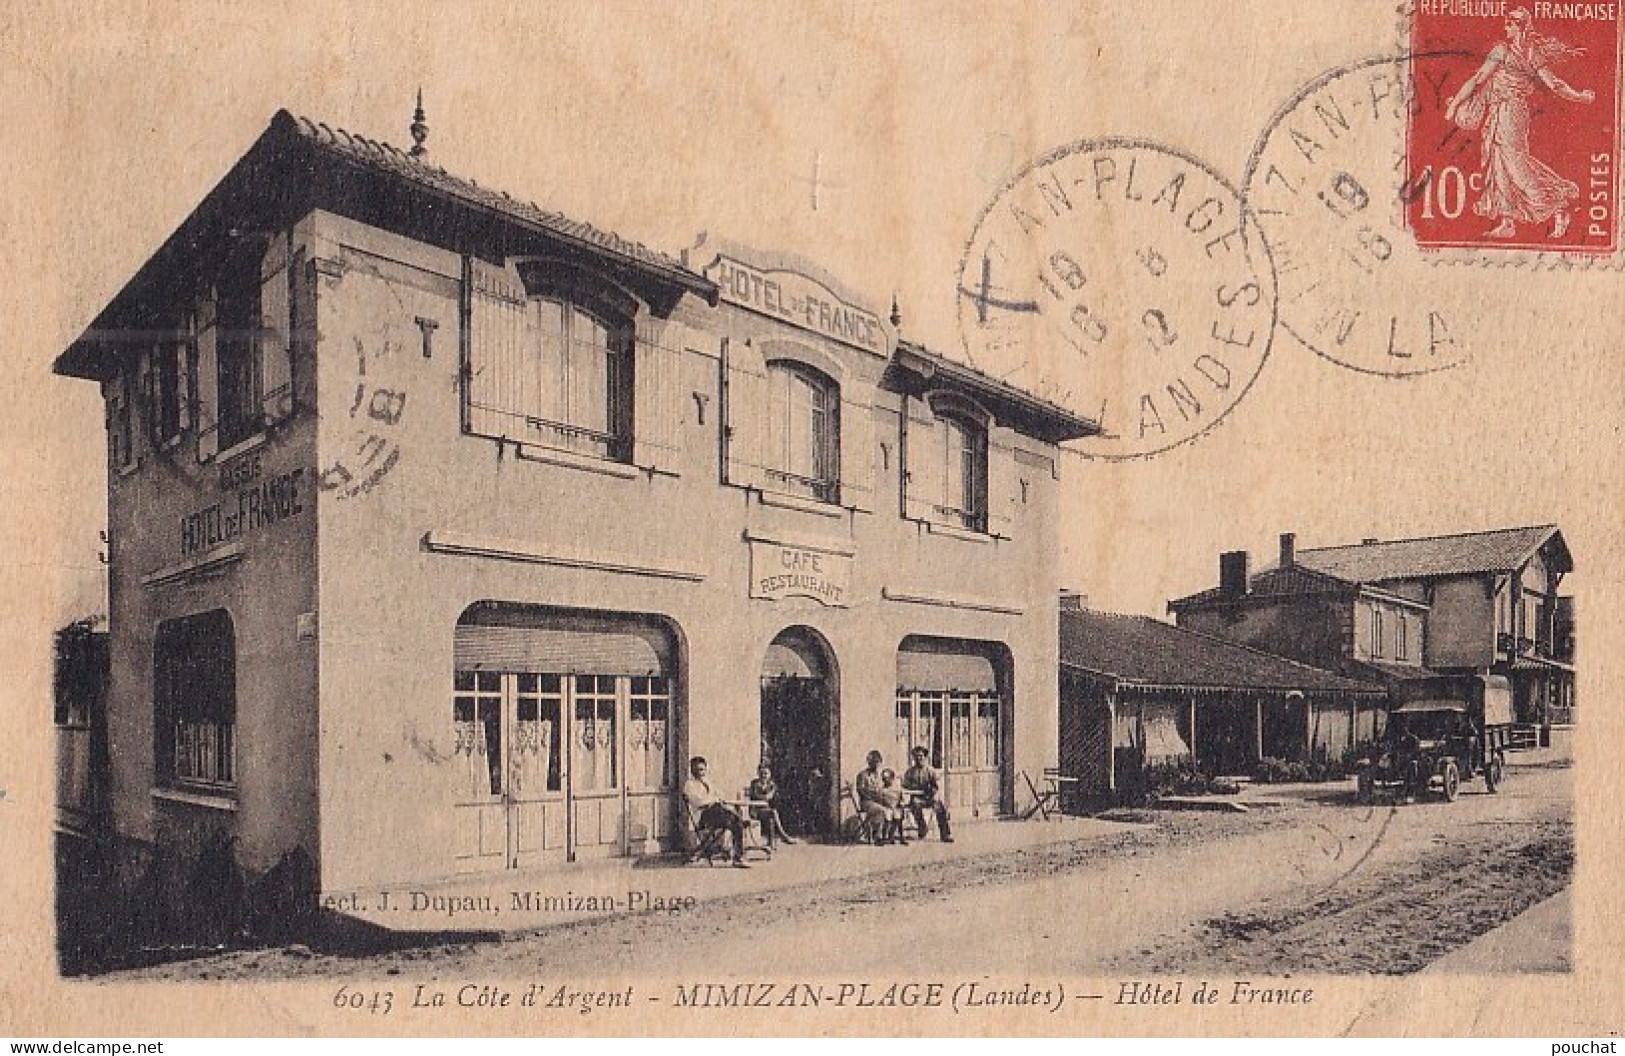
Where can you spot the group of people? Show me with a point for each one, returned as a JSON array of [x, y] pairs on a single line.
[[884, 798], [712, 812]]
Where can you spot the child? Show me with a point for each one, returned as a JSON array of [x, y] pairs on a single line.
[[892, 794]]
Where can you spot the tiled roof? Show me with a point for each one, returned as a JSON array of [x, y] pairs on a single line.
[[1501, 550], [1138, 649], [1271, 583], [1385, 671], [1063, 424], [386, 158]]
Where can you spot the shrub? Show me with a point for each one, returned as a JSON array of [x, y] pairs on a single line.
[[1272, 771]]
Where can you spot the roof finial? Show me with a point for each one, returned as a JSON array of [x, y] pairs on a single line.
[[896, 313], [419, 130]]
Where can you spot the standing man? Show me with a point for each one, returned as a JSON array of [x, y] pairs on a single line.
[[926, 785], [710, 812]]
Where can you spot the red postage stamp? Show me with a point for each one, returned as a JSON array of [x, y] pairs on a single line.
[[1514, 141]]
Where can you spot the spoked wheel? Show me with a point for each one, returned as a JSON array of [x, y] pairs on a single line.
[[1452, 781], [1494, 772]]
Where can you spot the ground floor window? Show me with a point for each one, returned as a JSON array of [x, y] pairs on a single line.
[[195, 700], [563, 730], [948, 702], [969, 740]]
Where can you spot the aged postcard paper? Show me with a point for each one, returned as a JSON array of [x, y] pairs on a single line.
[[825, 518]]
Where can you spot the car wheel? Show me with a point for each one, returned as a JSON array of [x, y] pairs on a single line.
[[1494, 772], [1452, 780]]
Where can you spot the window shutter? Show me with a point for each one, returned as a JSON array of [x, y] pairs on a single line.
[[657, 359], [146, 376], [184, 351], [1003, 481], [496, 350], [746, 410], [208, 386], [275, 346], [923, 468], [857, 454]]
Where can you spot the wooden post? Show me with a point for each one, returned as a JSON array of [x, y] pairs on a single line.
[[1111, 741], [1193, 728], [1258, 728]]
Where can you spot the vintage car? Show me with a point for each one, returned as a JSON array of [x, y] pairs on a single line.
[[1430, 746]]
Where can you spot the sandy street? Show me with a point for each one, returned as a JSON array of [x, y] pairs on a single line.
[[1314, 884]]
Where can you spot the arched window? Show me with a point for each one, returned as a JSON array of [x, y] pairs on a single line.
[[803, 432], [947, 479], [558, 371], [584, 379], [964, 459]]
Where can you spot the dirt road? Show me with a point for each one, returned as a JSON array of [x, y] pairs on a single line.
[[1317, 884]]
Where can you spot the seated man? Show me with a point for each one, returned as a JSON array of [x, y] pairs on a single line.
[[926, 785], [710, 812], [870, 787]]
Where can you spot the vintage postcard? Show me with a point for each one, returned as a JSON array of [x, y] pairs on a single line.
[[828, 518]]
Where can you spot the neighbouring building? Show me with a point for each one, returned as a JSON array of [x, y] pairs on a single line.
[[445, 528], [1137, 692], [1477, 615], [80, 670]]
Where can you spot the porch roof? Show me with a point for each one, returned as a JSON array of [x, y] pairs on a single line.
[[1139, 651]]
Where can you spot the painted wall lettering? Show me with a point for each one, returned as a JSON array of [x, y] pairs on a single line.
[[798, 300], [249, 509]]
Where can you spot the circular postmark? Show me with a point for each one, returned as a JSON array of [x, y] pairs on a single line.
[[1328, 183], [1125, 281]]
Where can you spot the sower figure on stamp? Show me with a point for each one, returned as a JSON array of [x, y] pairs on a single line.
[[1518, 188], [710, 812], [926, 785]]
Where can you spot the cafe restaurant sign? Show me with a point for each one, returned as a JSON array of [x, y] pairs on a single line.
[[797, 299], [778, 572]]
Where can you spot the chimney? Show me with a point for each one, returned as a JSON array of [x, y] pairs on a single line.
[[1072, 601], [1233, 574], [1369, 540], [1289, 549]]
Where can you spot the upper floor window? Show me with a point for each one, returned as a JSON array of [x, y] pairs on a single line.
[[169, 385], [947, 467], [964, 498], [1403, 638], [554, 367], [803, 431], [121, 422], [237, 344], [1376, 632], [232, 374]]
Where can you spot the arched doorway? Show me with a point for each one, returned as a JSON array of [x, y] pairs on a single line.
[[799, 711]]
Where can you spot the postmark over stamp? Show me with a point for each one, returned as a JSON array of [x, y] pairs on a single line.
[[1514, 141], [1124, 280], [1326, 181]]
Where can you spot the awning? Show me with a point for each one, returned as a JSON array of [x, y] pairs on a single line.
[[1162, 737], [945, 672], [529, 640], [1538, 663]]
